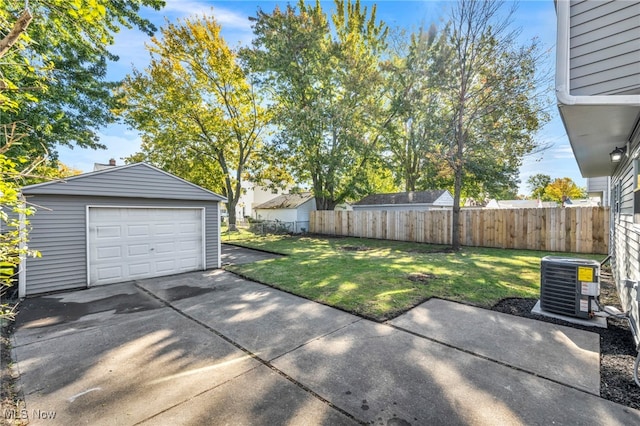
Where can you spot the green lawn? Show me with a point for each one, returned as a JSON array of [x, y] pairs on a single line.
[[380, 279]]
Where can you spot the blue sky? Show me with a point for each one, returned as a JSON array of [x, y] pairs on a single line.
[[536, 18]]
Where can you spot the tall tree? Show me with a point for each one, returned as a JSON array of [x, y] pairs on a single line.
[[417, 104], [53, 60], [196, 109], [327, 84], [562, 188], [490, 96], [537, 183], [53, 79]]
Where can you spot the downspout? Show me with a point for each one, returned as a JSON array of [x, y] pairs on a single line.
[[563, 85]]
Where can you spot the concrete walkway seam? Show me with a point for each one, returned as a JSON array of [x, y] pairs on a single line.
[[252, 355], [195, 396], [486, 358], [315, 338]]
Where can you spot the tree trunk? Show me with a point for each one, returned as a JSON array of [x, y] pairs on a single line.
[[459, 171], [455, 219], [232, 201], [324, 203], [231, 209]]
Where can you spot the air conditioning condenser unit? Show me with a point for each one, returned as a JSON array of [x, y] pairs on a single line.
[[569, 286]]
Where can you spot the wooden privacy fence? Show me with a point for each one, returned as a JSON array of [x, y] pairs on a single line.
[[574, 229]]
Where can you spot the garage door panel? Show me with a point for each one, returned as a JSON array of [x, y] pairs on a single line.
[[104, 253], [109, 273], [165, 229], [138, 230], [164, 248], [187, 245], [188, 229], [167, 266], [140, 214], [188, 264], [136, 243], [138, 249], [108, 214], [136, 270], [108, 231]]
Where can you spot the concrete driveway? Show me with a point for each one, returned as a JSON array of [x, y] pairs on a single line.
[[211, 348]]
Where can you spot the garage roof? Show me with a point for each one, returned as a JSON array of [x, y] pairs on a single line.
[[139, 180], [286, 201], [412, 197]]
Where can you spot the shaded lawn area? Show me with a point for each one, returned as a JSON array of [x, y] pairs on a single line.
[[380, 279]]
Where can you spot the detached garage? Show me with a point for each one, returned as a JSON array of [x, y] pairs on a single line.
[[119, 224]]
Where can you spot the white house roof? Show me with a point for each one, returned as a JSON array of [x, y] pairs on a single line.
[[139, 180], [286, 201], [519, 204], [401, 198]]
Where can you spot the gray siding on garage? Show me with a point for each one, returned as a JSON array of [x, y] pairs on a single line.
[[135, 180], [605, 47], [58, 231]]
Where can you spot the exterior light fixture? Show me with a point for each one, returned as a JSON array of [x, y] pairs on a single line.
[[616, 154]]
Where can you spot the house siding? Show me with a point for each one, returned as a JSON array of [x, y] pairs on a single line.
[[599, 187], [138, 180], [304, 211], [445, 200], [283, 215], [625, 240], [598, 184], [604, 47], [58, 231]]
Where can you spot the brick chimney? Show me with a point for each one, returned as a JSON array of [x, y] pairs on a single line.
[[112, 162]]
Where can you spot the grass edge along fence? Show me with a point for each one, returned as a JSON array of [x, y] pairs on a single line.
[[571, 229]]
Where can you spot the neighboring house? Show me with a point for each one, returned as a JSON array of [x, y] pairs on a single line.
[[519, 204], [598, 92], [100, 166], [344, 207], [582, 202], [599, 189], [118, 224], [404, 201], [254, 195], [293, 209]]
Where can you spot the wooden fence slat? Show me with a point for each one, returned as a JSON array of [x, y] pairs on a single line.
[[575, 229]]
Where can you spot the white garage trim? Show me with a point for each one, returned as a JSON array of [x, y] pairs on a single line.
[[22, 267], [219, 265], [89, 208]]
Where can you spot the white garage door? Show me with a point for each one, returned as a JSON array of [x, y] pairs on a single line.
[[134, 243]]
